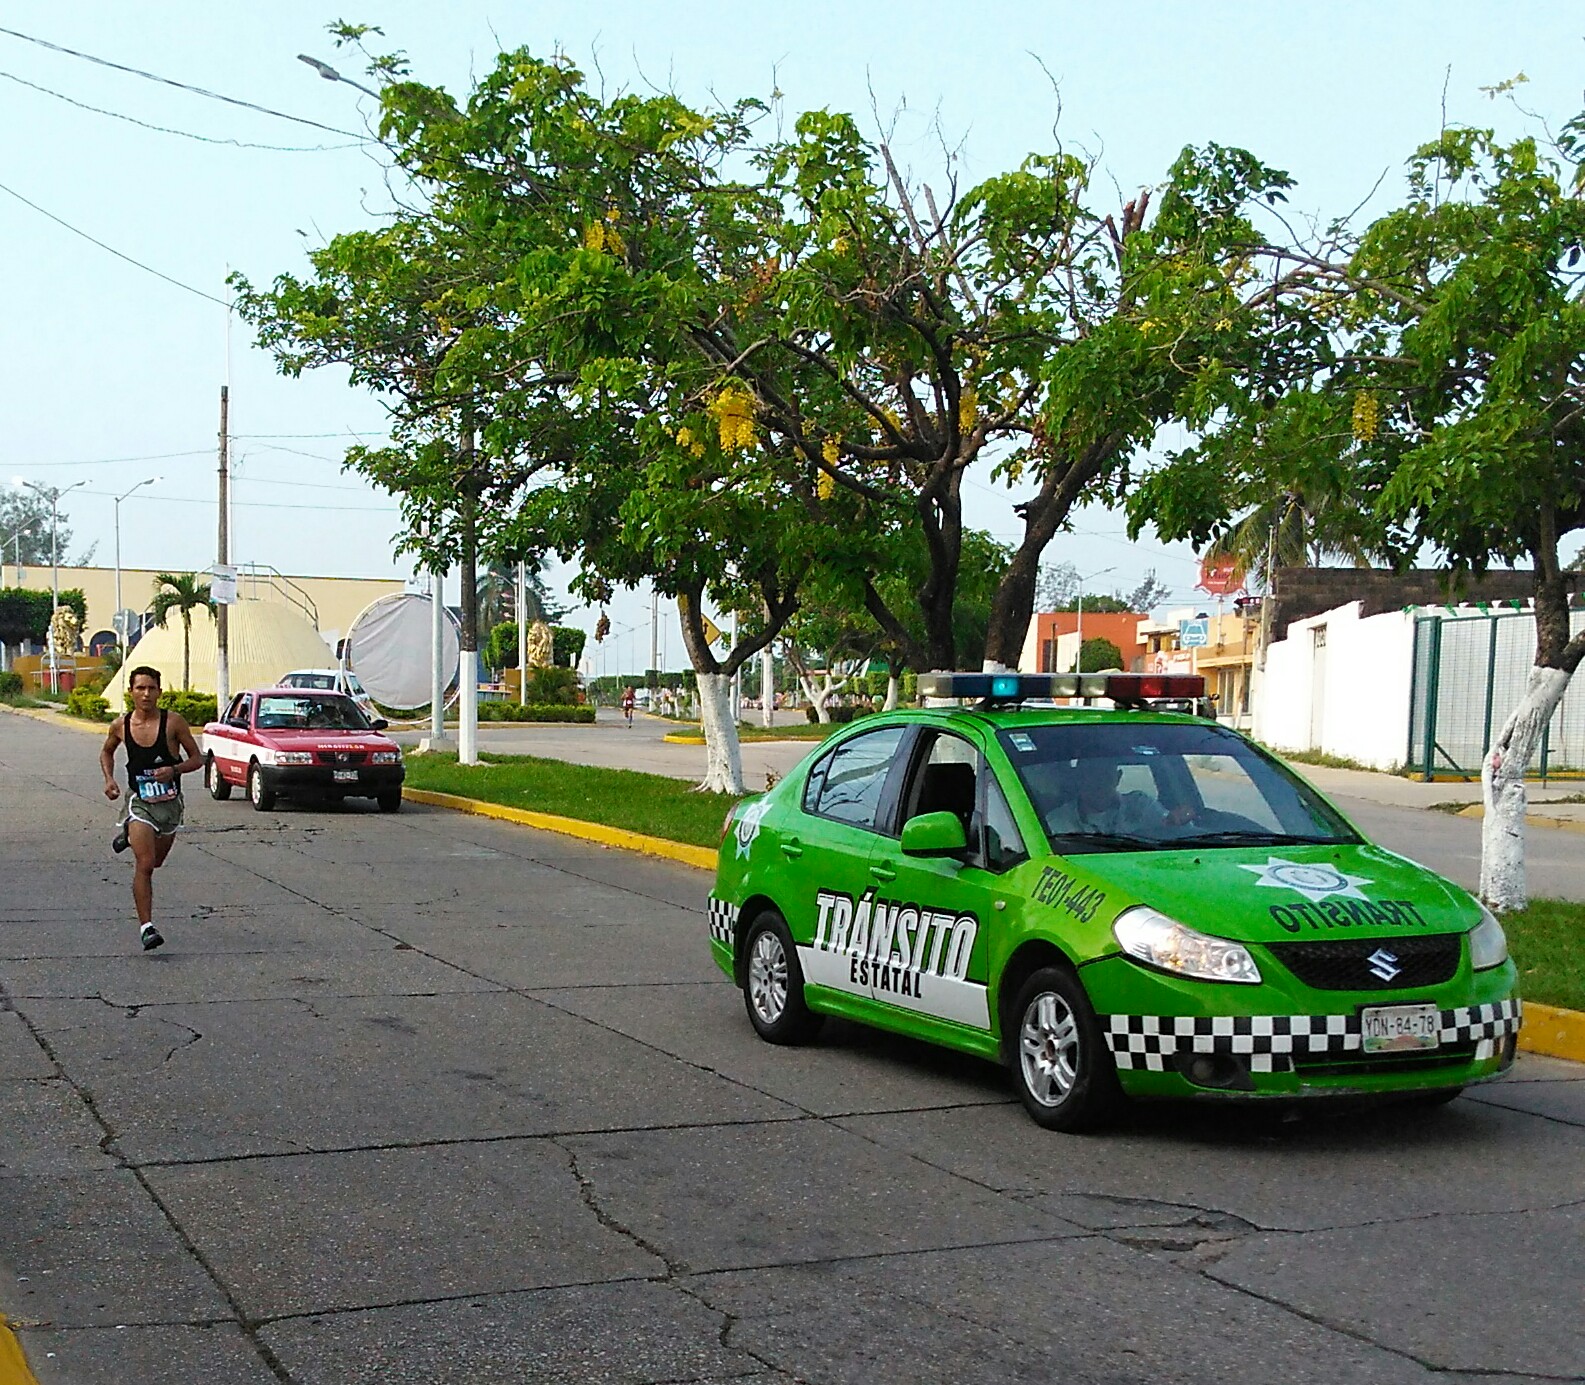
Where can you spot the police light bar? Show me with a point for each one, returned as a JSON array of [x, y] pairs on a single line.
[[1126, 689]]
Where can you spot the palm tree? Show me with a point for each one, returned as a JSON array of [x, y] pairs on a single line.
[[1293, 529], [183, 593]]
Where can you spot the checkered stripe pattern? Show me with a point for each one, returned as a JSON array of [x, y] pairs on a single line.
[[1148, 1041], [1477, 1022], [722, 918]]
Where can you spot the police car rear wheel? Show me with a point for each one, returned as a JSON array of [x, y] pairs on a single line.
[[1065, 1076], [773, 984]]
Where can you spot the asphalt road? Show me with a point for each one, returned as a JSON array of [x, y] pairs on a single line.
[[436, 1099]]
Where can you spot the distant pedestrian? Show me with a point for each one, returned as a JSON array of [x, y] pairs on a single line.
[[629, 697], [160, 749]]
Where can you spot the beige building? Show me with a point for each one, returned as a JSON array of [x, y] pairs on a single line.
[[328, 604]]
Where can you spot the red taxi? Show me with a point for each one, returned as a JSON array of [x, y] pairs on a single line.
[[300, 743]]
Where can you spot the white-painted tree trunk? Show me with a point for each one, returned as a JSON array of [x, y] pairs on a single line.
[[1502, 879], [468, 708], [723, 755], [819, 697], [767, 688], [893, 692]]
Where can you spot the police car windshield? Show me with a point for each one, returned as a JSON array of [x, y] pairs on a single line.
[[1162, 786], [310, 714]]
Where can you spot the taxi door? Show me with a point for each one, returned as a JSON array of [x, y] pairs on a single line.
[[232, 744], [824, 885], [931, 951]]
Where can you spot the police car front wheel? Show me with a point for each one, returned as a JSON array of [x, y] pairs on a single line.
[[1064, 1074], [773, 983]]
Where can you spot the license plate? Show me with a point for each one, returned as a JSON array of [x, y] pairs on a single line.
[[1393, 1028], [344, 776]]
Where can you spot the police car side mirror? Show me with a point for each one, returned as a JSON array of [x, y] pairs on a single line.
[[934, 834], [379, 723]]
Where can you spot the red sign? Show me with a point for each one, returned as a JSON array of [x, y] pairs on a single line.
[[1220, 576]]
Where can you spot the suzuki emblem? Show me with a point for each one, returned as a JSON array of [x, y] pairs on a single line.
[[1383, 964]]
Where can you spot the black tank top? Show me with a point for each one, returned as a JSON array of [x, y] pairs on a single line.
[[143, 760]]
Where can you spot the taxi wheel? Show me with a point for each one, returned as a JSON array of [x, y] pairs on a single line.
[[259, 793], [773, 983], [1061, 1065], [219, 786]]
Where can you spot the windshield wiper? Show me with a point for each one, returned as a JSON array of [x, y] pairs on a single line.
[[1110, 839], [1256, 838]]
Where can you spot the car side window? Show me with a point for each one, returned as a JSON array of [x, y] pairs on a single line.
[[238, 716], [946, 781], [849, 784], [1003, 842]]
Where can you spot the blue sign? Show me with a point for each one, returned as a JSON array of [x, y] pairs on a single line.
[[1194, 634]]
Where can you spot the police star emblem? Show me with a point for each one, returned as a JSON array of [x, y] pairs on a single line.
[[748, 826], [1312, 881]]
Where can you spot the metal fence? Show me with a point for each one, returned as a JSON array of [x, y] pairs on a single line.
[[1469, 673]]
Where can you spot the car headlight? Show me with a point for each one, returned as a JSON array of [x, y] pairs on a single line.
[[294, 757], [1153, 938], [386, 757], [1488, 944]]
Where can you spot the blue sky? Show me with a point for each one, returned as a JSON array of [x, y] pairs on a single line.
[[104, 361]]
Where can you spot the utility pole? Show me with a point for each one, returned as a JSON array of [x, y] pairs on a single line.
[[654, 628], [222, 560], [522, 634], [437, 664], [468, 686]]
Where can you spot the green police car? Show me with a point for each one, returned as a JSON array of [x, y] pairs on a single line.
[[1113, 900]]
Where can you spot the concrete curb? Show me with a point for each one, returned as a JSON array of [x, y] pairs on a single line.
[[13, 1364], [677, 738], [1478, 811], [700, 857], [93, 728], [1552, 1032]]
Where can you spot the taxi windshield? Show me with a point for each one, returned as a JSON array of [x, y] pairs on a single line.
[[1163, 786], [337, 713]]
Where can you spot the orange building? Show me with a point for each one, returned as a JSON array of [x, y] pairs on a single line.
[[1045, 648]]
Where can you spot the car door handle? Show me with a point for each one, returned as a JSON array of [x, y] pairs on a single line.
[[792, 848], [883, 872]]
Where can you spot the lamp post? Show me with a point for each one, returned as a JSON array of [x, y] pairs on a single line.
[[16, 547], [54, 494], [330, 74], [116, 623], [1078, 660]]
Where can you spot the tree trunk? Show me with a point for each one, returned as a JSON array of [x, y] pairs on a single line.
[[187, 653], [1502, 877], [893, 692], [468, 660], [723, 756]]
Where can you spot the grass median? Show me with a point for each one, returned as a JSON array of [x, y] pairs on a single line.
[[1547, 939], [655, 804]]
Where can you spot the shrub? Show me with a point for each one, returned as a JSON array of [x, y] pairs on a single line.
[[550, 685], [10, 684], [534, 711], [195, 707], [86, 703]]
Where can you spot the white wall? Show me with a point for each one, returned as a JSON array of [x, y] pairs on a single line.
[[1364, 689]]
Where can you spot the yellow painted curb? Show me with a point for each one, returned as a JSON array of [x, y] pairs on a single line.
[[1553, 1032], [13, 1364], [93, 728], [677, 738], [1478, 811], [699, 856]]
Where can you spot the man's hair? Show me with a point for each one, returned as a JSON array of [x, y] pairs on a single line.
[[143, 671]]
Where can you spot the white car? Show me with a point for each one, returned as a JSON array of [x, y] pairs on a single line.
[[333, 680]]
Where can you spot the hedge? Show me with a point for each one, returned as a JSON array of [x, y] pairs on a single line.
[[10, 684], [195, 707], [534, 711], [87, 704]]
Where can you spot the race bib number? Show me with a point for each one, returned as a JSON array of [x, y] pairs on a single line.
[[151, 790]]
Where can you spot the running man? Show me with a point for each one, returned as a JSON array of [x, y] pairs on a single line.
[[160, 749], [628, 699]]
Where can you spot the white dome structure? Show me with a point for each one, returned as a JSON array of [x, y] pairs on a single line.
[[267, 640]]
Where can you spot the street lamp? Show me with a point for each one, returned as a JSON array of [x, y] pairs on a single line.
[[1079, 659], [16, 546], [54, 494], [330, 74], [116, 622]]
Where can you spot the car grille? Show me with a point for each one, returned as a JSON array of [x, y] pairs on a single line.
[[1364, 1064], [1347, 965], [340, 757]]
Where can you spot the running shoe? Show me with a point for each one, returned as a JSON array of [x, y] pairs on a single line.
[[119, 843], [151, 937]]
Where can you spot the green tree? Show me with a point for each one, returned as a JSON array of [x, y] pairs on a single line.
[[1099, 653], [183, 593], [25, 529]]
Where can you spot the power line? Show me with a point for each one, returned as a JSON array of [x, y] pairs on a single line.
[[180, 86], [148, 269], [251, 436], [266, 504], [112, 461], [185, 134]]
